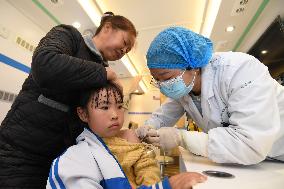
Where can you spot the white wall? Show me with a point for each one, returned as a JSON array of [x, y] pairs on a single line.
[[140, 106], [14, 24], [11, 78]]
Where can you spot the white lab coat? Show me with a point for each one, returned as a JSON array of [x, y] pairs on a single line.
[[242, 110]]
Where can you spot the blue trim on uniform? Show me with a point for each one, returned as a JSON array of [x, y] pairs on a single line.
[[104, 144], [13, 63], [115, 183], [57, 177], [157, 186], [166, 183], [51, 182]]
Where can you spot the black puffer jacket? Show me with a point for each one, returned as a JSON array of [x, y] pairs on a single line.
[[33, 134]]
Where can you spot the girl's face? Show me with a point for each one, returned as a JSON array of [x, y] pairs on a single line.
[[104, 114], [116, 43]]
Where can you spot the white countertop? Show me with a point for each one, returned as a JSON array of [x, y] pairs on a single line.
[[265, 175]]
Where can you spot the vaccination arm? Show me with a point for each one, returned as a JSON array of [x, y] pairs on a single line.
[[53, 65]]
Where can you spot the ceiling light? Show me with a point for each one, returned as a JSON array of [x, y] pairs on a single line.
[[230, 28], [92, 11], [264, 52], [125, 60], [76, 25], [210, 18], [142, 85]]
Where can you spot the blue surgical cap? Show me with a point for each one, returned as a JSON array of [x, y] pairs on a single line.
[[179, 48]]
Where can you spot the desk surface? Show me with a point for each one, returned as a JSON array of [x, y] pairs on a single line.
[[264, 175]]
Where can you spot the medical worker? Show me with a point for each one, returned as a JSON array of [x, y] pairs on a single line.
[[230, 96]]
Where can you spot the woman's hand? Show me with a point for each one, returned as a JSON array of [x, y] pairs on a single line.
[[186, 180], [112, 77]]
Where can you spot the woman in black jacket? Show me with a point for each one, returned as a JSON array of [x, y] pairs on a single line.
[[40, 124]]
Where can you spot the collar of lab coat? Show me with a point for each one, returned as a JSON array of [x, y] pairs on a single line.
[[208, 75]]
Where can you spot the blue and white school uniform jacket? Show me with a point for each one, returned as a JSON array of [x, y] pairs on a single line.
[[90, 164]]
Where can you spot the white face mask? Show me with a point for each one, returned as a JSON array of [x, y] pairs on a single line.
[[175, 88]]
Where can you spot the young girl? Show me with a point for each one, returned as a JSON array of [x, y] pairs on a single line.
[[124, 164]]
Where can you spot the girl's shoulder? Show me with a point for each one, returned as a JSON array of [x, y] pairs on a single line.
[[129, 135]]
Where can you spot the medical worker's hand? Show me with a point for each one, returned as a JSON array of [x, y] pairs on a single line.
[[170, 138], [147, 134], [195, 142], [186, 180]]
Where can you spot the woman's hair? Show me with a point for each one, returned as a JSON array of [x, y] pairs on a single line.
[[94, 95], [117, 22]]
